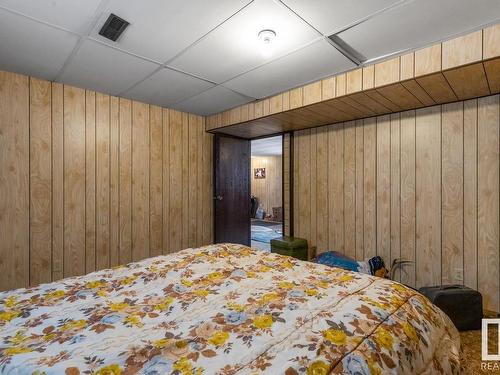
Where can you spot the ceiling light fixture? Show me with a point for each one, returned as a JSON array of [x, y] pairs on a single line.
[[267, 36]]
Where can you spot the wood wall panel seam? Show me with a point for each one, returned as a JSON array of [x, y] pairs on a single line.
[[395, 180], [428, 190], [74, 181], [156, 180], [57, 128], [491, 42], [90, 181], [488, 203], [387, 72], [368, 77], [125, 181], [462, 50], [383, 187], [452, 191], [102, 179], [428, 60], [359, 189], [114, 181], [350, 188], [185, 180], [166, 180], [40, 157], [470, 193]]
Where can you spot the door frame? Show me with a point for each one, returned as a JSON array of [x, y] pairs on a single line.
[[290, 183], [290, 176]]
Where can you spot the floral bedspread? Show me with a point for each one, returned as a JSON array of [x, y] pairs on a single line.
[[224, 309]]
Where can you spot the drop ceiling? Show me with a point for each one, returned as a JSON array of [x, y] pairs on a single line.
[[204, 56]]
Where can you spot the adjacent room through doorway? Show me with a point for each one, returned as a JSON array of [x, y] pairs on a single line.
[[266, 191]]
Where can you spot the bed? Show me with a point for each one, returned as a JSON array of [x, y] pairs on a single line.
[[224, 309]]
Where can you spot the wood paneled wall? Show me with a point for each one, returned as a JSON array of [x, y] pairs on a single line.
[[268, 190], [90, 181], [421, 185]]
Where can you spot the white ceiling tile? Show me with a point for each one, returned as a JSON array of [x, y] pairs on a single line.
[[161, 29], [167, 87], [105, 69], [32, 48], [214, 100], [332, 16], [313, 62], [74, 15], [419, 23], [235, 48]]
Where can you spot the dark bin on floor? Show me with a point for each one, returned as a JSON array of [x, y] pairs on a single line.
[[291, 246], [463, 305]]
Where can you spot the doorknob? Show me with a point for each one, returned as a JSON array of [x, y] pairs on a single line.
[[218, 197]]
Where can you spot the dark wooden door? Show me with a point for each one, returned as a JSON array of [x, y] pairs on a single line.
[[232, 189]]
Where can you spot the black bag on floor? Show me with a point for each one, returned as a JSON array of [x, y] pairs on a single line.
[[463, 305]]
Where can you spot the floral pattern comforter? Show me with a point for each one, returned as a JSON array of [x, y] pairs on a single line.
[[224, 309]]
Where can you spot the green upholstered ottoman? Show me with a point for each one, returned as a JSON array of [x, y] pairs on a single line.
[[291, 246]]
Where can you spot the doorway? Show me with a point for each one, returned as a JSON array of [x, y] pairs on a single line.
[[266, 186], [252, 189]]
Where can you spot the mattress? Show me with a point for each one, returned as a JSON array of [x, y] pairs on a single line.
[[224, 309]]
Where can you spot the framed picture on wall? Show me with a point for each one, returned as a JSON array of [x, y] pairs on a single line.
[[259, 173]]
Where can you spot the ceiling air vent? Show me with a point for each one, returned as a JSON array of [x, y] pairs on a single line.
[[113, 27], [346, 49]]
